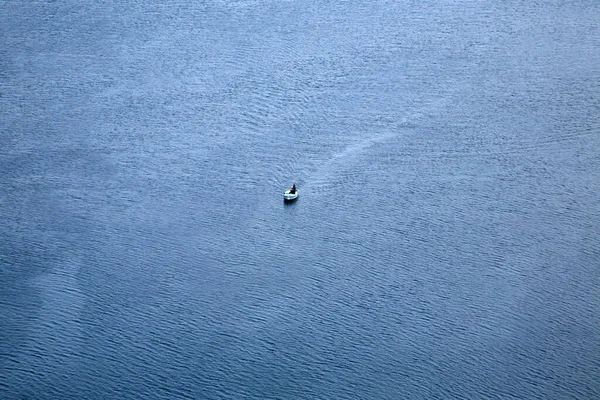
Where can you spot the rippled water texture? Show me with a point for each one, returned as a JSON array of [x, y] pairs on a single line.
[[445, 245]]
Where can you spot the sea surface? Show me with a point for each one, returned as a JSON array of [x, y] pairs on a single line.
[[445, 244]]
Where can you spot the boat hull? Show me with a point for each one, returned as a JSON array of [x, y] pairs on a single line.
[[289, 196]]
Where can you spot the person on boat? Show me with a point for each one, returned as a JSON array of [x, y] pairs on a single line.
[[293, 188]]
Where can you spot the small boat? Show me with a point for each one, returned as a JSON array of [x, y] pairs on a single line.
[[291, 194]]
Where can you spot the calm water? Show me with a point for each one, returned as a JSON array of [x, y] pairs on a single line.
[[445, 245]]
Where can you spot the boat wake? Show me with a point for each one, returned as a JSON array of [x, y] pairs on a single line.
[[336, 170]]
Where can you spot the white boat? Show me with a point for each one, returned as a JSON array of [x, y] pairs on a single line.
[[291, 194]]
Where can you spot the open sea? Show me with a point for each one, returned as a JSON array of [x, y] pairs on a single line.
[[445, 244]]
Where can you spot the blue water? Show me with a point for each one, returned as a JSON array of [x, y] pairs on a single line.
[[445, 244]]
